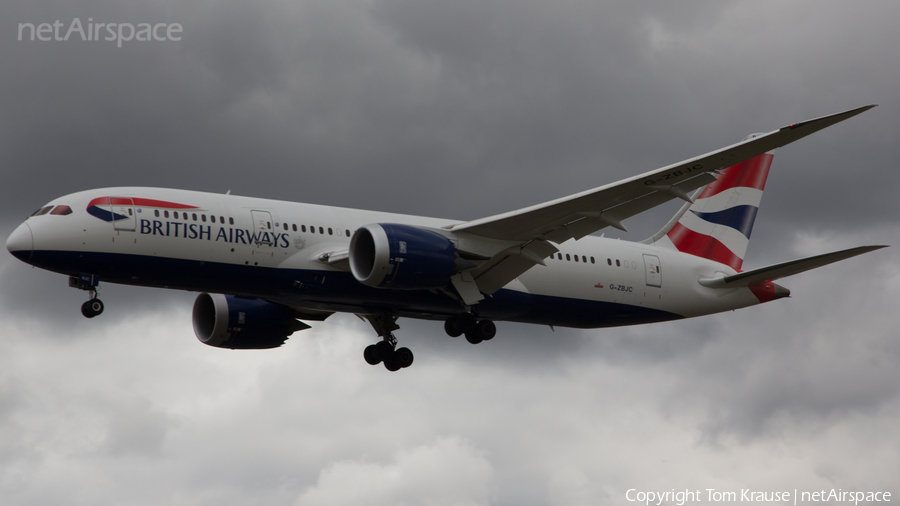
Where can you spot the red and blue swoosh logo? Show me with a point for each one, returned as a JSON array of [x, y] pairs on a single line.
[[103, 207]]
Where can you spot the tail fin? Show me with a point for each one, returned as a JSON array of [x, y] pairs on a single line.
[[717, 225]]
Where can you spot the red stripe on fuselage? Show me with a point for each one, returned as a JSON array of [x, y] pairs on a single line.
[[751, 173], [704, 246], [118, 201]]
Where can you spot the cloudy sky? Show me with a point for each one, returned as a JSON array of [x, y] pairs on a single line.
[[456, 109]]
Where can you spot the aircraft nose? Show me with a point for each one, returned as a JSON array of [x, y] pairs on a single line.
[[21, 243]]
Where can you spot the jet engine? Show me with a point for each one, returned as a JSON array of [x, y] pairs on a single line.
[[242, 323], [403, 257]]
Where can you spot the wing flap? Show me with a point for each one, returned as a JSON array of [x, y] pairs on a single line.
[[510, 264]]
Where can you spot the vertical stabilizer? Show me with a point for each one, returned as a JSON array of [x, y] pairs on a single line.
[[717, 225]]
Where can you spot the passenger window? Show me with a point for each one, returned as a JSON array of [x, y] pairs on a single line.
[[222, 220], [618, 264], [321, 230], [61, 210], [195, 216], [330, 232], [285, 227], [608, 261], [294, 226], [203, 218], [212, 218], [312, 229], [156, 213], [348, 233], [592, 260], [231, 221], [166, 214], [576, 258], [303, 228], [568, 258], [583, 258]]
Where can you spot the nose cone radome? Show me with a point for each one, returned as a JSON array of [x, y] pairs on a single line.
[[21, 242]]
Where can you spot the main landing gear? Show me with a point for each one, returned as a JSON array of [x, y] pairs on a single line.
[[386, 351], [394, 358], [475, 330], [91, 284]]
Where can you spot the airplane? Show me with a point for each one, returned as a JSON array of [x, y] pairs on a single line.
[[264, 267]]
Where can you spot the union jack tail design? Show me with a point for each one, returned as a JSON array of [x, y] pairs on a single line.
[[717, 225]]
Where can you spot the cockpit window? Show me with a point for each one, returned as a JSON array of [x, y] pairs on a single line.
[[62, 210], [42, 211]]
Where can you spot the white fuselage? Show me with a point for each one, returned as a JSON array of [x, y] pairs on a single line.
[[274, 250]]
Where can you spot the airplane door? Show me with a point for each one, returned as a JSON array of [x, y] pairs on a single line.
[[262, 227], [651, 265], [123, 213]]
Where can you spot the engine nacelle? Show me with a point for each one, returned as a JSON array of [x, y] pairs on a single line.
[[403, 257], [242, 323]]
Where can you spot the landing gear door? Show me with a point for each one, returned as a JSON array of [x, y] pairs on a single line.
[[262, 228], [122, 213], [651, 265]]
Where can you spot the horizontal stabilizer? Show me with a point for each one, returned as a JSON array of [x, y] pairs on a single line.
[[773, 272]]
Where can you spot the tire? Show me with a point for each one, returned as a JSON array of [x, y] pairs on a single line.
[[474, 337], [403, 357], [451, 328], [466, 322], [383, 351], [391, 365], [371, 355], [87, 311], [486, 329]]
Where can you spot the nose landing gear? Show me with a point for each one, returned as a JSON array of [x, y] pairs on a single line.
[[92, 307], [90, 283]]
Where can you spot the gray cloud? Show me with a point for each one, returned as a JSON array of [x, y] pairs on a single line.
[[459, 109]]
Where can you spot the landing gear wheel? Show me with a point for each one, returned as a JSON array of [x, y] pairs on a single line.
[[473, 337], [92, 308], [403, 357], [391, 365], [460, 324], [383, 351], [451, 329], [484, 330], [371, 354]]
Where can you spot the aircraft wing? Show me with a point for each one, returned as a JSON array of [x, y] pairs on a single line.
[[581, 214], [532, 229]]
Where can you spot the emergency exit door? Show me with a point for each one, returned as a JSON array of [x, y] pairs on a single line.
[[122, 213], [262, 228], [651, 265]]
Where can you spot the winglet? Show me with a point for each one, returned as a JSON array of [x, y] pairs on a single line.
[[826, 121]]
